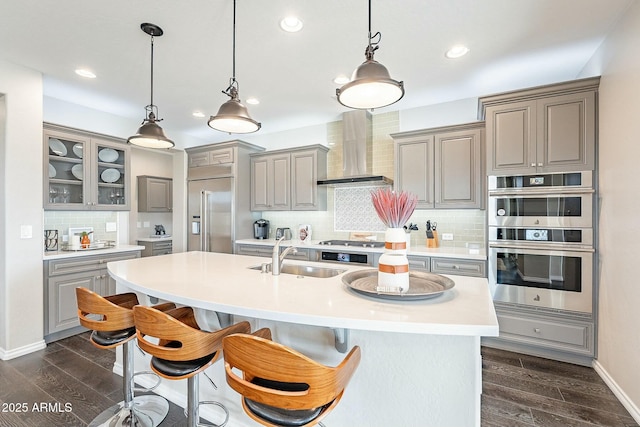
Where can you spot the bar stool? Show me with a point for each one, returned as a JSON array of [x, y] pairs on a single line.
[[111, 319], [183, 350], [281, 387]]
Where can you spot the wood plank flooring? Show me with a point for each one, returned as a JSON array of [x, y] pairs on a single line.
[[70, 382], [524, 391]]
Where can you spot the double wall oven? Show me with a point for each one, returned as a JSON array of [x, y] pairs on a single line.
[[541, 242]]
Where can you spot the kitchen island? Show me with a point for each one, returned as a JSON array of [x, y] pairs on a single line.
[[421, 363]]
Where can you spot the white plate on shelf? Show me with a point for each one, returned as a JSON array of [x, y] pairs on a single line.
[[52, 171], [77, 171], [110, 175], [108, 155], [57, 147], [77, 150]]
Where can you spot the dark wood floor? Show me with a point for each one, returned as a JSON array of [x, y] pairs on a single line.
[[70, 382]]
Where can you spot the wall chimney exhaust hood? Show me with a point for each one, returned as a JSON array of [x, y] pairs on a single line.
[[357, 151]]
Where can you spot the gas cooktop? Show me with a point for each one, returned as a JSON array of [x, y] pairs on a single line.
[[354, 243]]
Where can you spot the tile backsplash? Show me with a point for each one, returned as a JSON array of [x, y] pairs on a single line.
[[62, 220]]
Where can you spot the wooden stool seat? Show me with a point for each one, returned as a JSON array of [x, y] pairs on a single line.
[[280, 386], [111, 320], [180, 349]]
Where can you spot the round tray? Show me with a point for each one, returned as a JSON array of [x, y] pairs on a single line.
[[422, 285]]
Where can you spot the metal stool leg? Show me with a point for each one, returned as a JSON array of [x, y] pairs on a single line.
[[141, 411], [193, 404]]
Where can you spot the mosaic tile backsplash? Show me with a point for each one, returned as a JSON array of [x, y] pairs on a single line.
[[354, 211]]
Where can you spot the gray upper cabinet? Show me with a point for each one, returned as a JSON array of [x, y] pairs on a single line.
[[285, 180], [442, 166], [155, 194], [85, 171], [271, 182], [546, 129]]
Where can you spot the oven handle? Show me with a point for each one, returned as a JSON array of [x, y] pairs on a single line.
[[550, 247], [536, 192]]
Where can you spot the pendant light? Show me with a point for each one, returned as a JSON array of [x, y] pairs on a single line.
[[233, 116], [371, 86], [150, 134]]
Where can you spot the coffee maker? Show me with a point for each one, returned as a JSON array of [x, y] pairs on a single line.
[[261, 229]]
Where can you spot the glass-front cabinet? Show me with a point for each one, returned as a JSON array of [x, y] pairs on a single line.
[[85, 172]]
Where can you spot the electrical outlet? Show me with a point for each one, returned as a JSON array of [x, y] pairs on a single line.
[[146, 224], [110, 226], [447, 236]]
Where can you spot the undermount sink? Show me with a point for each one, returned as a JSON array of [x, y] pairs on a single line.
[[305, 270]]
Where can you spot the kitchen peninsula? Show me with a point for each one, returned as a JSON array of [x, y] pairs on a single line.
[[421, 363]]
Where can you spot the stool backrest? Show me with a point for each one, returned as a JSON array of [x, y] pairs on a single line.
[[178, 326], [259, 357], [113, 312]]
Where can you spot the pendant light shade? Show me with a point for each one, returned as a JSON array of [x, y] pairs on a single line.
[[233, 116], [150, 134], [371, 85]]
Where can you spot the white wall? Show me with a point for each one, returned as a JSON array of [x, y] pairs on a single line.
[[618, 62], [21, 281]]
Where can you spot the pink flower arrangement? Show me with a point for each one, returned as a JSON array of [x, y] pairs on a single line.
[[393, 208]]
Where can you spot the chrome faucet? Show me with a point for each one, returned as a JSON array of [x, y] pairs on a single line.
[[277, 257]]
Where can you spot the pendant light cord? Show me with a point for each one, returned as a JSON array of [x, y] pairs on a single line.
[[372, 46], [151, 105], [232, 90]]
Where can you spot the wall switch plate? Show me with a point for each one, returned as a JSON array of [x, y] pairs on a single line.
[[26, 231], [147, 224], [111, 226], [447, 236]]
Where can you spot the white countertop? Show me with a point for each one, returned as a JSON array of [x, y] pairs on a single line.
[[441, 252], [72, 254], [223, 282]]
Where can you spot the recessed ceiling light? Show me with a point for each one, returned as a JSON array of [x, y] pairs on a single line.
[[457, 51], [291, 24], [85, 73], [341, 79], [253, 101], [198, 114]]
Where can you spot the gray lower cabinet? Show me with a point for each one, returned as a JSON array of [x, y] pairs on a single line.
[[302, 254], [163, 247], [443, 166], [439, 265], [557, 335], [460, 267], [62, 277], [540, 130]]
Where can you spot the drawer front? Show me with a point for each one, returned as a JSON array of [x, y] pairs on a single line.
[[460, 267], [85, 263], [301, 254], [161, 251], [253, 250], [162, 246], [421, 263], [560, 335]]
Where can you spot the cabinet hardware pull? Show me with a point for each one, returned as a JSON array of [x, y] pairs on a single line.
[[533, 165], [539, 164], [536, 330]]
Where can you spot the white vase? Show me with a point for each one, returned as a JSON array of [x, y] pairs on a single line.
[[395, 240], [393, 273], [393, 265]]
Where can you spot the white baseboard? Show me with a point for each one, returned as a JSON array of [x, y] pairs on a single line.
[[21, 351], [633, 409]]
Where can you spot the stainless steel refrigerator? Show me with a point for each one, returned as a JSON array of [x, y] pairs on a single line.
[[219, 197]]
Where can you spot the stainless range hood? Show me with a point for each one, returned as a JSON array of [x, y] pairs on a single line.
[[357, 148]]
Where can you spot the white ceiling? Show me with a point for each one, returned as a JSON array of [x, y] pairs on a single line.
[[514, 44]]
